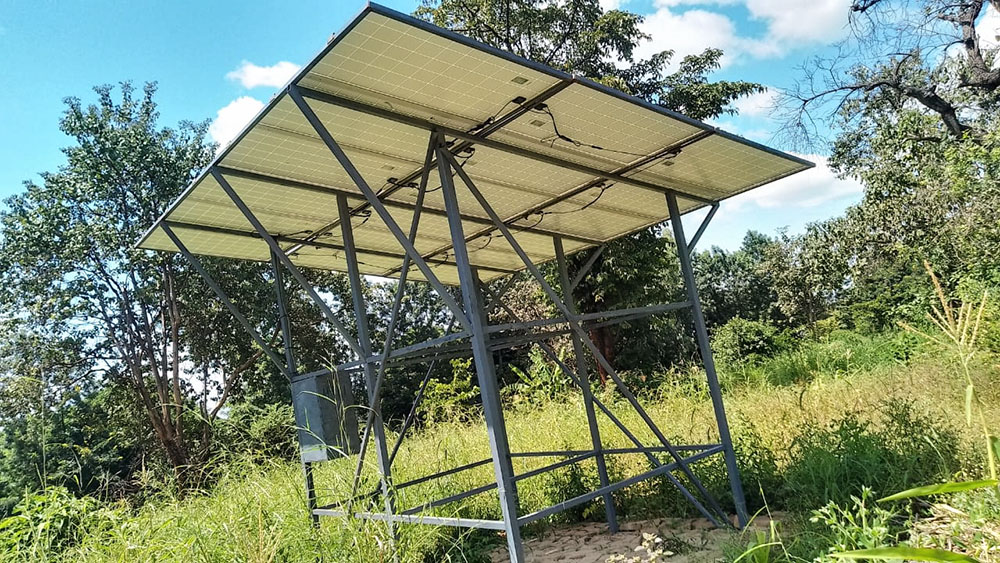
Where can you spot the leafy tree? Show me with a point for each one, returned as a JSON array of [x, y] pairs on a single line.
[[578, 36], [914, 109], [926, 55], [738, 284], [806, 274], [71, 275]]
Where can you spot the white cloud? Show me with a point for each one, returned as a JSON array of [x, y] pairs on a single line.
[[760, 104], [798, 21], [988, 28], [608, 5], [692, 31], [790, 23], [671, 3], [811, 188], [252, 76], [230, 120]]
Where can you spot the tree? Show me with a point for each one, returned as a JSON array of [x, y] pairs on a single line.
[[578, 36], [912, 101], [738, 284], [805, 274], [926, 55], [70, 273]]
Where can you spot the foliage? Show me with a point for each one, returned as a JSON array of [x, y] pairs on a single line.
[[69, 271], [959, 331], [742, 342], [255, 433], [451, 400], [840, 354], [858, 526], [48, 523], [738, 283], [87, 444], [256, 508], [834, 462], [541, 382]]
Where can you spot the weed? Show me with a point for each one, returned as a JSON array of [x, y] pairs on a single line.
[[859, 525], [834, 463]]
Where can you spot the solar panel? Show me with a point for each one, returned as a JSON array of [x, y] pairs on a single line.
[[383, 84]]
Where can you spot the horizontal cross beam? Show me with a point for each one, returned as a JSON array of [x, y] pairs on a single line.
[[316, 244], [326, 190], [490, 143], [587, 497], [417, 519]]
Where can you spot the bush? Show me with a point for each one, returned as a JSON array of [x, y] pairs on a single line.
[[902, 449], [450, 400], [842, 353], [742, 342], [863, 525], [48, 523], [259, 432], [542, 382]]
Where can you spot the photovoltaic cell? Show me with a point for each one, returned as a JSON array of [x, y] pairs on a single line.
[[387, 63]]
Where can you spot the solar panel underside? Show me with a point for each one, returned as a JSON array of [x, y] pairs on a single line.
[[290, 180]]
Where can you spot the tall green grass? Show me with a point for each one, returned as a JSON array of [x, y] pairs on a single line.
[[787, 439]]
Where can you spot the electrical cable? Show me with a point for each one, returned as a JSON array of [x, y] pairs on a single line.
[[551, 140]]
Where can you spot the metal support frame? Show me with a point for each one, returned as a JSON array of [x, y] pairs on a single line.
[[705, 347], [371, 379], [477, 337], [701, 228], [292, 368], [588, 398], [485, 370], [575, 325]]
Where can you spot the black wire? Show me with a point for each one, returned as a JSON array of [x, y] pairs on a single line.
[[604, 188], [490, 119], [558, 135]]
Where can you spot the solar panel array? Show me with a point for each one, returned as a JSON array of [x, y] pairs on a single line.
[[391, 63]]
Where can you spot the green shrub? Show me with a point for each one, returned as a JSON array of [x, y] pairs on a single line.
[[259, 432], [903, 448], [841, 354], [542, 382], [742, 342], [862, 525], [47, 523], [450, 400]]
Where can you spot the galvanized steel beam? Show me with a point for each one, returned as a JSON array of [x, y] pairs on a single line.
[[485, 370], [376, 204], [705, 347]]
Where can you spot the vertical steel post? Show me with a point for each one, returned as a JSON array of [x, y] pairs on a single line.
[[396, 304], [705, 347], [364, 341], [292, 369], [577, 327], [485, 370], [588, 398]]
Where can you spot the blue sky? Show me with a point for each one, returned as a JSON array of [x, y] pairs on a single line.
[[223, 61]]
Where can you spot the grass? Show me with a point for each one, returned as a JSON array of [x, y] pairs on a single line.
[[256, 512]]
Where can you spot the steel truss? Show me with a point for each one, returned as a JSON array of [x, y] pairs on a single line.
[[475, 335]]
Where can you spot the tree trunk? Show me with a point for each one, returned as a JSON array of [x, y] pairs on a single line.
[[604, 339]]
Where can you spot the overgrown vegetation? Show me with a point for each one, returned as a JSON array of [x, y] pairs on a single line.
[[137, 422], [813, 445]]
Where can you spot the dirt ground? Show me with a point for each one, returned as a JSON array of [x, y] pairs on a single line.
[[691, 541]]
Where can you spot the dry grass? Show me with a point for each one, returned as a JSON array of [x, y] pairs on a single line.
[[257, 513]]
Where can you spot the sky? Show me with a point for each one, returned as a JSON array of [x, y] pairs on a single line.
[[222, 62]]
